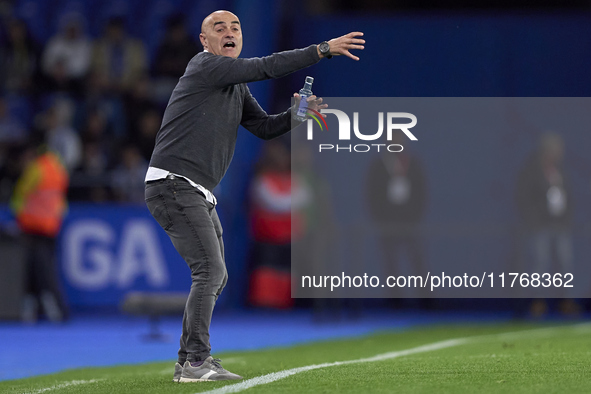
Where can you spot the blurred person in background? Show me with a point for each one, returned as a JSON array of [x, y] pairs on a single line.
[[39, 204], [314, 232], [138, 101], [397, 198], [66, 59], [194, 148], [271, 228], [97, 130], [13, 135], [172, 56], [145, 135], [90, 180], [56, 125], [96, 96], [12, 131], [127, 179], [58, 82], [544, 201], [118, 58], [175, 50], [19, 59]]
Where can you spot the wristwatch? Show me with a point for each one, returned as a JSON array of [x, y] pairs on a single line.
[[324, 48]]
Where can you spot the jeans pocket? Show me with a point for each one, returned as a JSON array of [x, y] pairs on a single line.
[[195, 207], [157, 206]]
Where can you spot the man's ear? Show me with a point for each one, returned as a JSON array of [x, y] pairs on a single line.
[[203, 40]]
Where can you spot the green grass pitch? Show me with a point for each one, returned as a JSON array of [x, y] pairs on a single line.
[[485, 359]]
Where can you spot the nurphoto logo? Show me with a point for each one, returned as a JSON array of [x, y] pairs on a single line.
[[344, 133]]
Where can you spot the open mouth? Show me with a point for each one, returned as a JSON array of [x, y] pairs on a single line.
[[229, 44]]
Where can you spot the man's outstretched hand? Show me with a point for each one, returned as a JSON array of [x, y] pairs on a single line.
[[342, 45]]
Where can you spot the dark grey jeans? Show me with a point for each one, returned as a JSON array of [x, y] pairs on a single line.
[[194, 228]]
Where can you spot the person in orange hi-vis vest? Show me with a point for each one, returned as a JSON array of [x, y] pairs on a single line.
[[39, 203]]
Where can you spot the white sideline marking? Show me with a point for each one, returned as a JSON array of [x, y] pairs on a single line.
[[272, 377], [63, 385], [165, 371], [264, 379]]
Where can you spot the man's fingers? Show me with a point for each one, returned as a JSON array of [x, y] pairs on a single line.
[[349, 54], [353, 34], [342, 45], [311, 113], [355, 41], [318, 107]]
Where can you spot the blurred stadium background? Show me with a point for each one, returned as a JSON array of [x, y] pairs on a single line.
[[105, 122]]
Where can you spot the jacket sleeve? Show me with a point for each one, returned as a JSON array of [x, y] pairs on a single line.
[[222, 71], [261, 124]]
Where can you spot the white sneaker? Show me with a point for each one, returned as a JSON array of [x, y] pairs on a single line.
[[204, 371], [178, 370]]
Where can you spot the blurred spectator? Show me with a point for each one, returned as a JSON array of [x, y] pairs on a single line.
[[270, 278], [175, 51], [13, 134], [128, 177], [544, 200], [117, 58], [137, 103], [9, 170], [12, 131], [39, 203], [97, 97], [55, 124], [19, 59], [397, 196], [145, 136], [90, 180], [96, 131], [172, 56], [66, 59], [314, 235]]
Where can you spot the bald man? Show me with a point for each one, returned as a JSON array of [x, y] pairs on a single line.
[[193, 150]]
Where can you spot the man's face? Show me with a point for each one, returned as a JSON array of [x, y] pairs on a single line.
[[221, 34]]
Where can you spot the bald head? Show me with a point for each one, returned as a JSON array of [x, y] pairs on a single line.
[[221, 34], [216, 15]]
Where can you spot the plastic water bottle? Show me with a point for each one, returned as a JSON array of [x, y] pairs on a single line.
[[305, 92]]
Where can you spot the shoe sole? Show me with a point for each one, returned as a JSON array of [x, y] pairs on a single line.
[[189, 380]]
